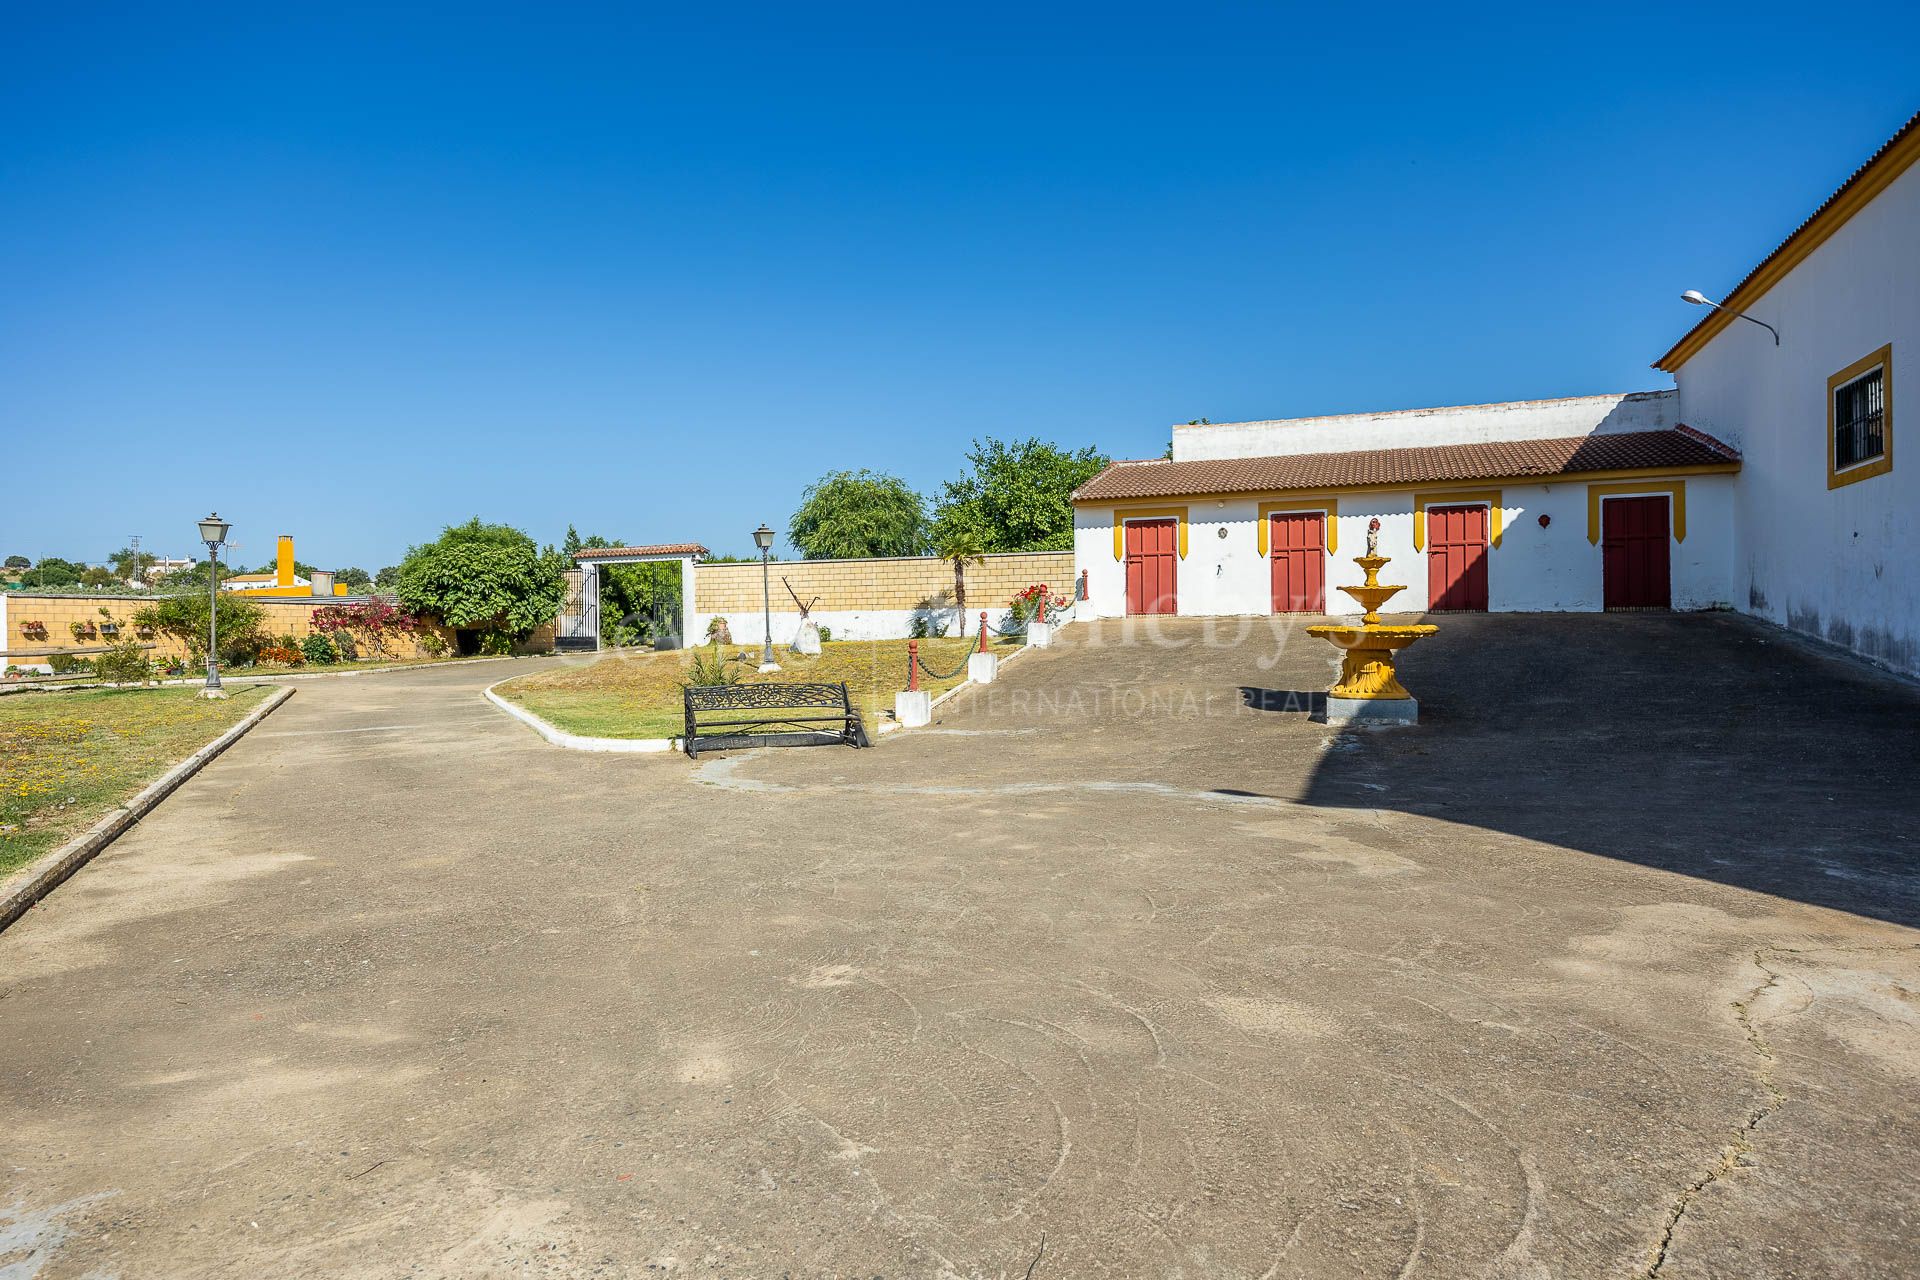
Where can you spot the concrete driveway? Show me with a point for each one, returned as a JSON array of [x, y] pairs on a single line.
[[1123, 968]]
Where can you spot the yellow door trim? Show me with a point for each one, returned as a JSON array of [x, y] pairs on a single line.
[[1123, 514], [1676, 490], [1331, 506], [1491, 497]]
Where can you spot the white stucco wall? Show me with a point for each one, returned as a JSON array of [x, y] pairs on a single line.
[[1842, 564], [1457, 424], [851, 624], [1554, 569]]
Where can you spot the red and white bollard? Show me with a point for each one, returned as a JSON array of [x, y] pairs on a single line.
[[913, 706]]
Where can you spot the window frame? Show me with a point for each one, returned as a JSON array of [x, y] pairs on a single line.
[[1882, 463]]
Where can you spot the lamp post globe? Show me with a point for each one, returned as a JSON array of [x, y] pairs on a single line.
[[763, 539], [213, 532]]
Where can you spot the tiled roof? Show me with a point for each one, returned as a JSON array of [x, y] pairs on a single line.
[[620, 553], [1491, 460]]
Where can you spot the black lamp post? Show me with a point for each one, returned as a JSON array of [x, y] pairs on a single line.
[[213, 532], [763, 538]]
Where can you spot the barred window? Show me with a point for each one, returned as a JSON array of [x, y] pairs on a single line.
[[1859, 420]]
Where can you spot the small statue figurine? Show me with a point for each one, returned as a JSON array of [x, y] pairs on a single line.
[[1373, 536]]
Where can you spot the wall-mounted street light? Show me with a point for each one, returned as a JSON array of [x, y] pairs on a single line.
[[213, 532], [763, 539], [1700, 299]]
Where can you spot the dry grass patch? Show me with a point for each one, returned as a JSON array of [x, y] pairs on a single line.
[[637, 695], [68, 758]]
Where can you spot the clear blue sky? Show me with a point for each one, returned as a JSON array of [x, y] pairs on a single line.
[[355, 275]]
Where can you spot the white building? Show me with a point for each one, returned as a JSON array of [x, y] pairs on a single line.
[[1583, 503], [1764, 483], [1827, 526]]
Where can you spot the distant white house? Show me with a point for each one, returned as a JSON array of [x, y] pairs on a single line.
[[1765, 482]]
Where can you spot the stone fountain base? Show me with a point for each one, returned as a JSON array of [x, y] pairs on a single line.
[[1366, 711]]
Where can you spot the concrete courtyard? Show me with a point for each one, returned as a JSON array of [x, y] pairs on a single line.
[[1123, 968]]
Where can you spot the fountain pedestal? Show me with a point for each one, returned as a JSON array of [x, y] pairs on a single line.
[[1369, 690]]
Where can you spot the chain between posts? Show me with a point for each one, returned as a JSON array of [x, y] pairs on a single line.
[[1049, 610]]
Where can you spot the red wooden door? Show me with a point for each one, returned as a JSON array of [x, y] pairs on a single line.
[[1296, 542], [1457, 558], [1635, 553], [1152, 552]]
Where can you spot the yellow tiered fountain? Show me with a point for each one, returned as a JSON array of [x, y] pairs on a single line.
[[1369, 692]]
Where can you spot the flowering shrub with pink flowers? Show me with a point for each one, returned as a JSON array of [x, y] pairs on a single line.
[[1027, 601], [372, 623]]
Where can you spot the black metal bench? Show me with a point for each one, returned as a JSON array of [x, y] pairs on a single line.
[[723, 716]]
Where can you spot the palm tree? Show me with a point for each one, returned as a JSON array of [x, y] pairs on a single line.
[[960, 547]]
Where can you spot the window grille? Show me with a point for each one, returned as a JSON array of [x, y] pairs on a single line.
[[1859, 420]]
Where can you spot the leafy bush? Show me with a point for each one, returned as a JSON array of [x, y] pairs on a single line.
[[710, 666], [433, 644], [62, 663], [318, 649], [826, 633], [488, 577], [124, 663], [280, 655], [184, 617]]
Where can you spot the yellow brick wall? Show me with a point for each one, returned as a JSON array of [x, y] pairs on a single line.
[[878, 584], [279, 618]]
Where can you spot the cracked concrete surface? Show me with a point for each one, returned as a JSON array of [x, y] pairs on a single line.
[[1569, 980]]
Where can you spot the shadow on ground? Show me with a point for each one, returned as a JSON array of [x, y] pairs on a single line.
[[1707, 745]]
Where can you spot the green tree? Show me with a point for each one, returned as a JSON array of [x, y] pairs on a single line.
[[960, 546], [849, 514], [184, 617], [53, 572], [95, 576], [486, 577], [19, 562], [131, 565], [1017, 496], [388, 578], [355, 580]]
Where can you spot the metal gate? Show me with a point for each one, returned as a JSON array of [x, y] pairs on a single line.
[[577, 626]]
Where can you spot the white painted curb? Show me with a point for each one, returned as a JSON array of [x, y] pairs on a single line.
[[43, 877], [574, 741]]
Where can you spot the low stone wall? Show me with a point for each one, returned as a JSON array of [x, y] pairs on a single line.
[[877, 599], [58, 613]]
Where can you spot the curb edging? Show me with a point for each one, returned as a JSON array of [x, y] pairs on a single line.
[[43, 877], [574, 741]]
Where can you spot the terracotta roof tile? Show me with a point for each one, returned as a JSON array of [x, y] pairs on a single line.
[[1492, 460], [663, 549]]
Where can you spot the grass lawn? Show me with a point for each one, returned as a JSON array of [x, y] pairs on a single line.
[[67, 758], [638, 695]]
